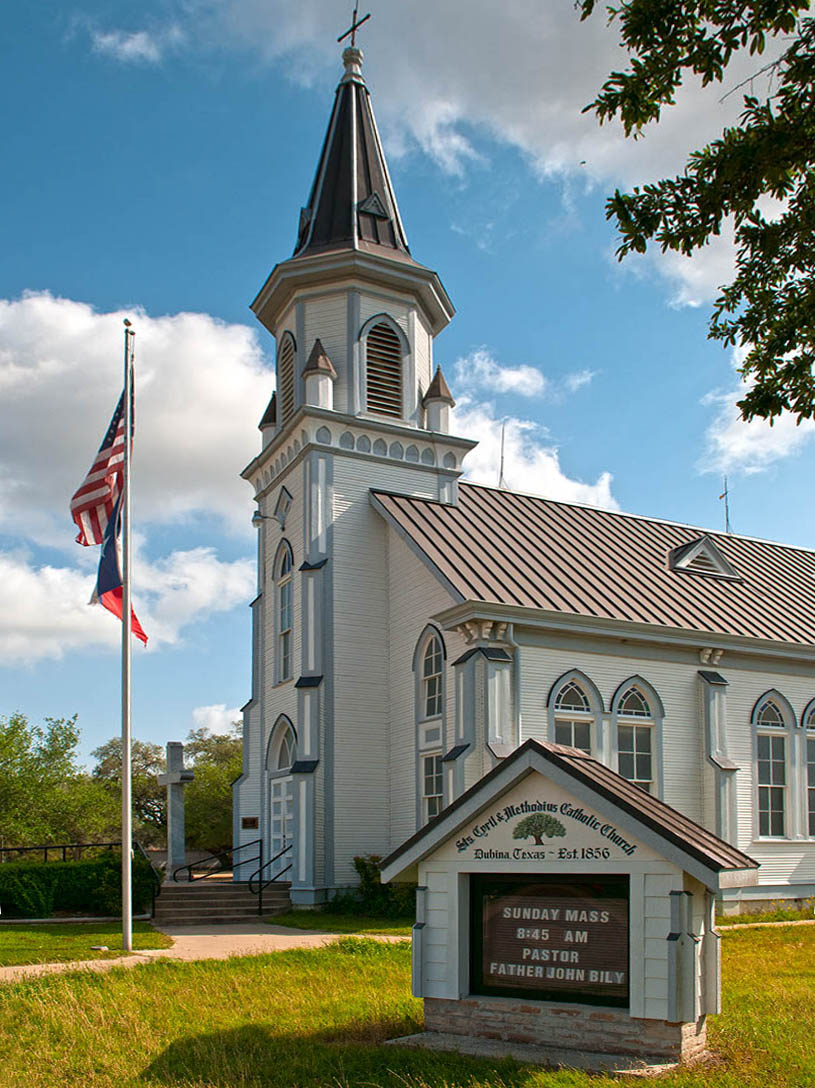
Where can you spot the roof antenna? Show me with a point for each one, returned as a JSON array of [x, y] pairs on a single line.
[[501, 481], [726, 496]]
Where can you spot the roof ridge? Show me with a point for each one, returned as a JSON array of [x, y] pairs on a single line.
[[716, 533]]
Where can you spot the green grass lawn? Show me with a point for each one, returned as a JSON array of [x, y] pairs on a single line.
[[778, 914], [325, 921], [315, 1018], [60, 943]]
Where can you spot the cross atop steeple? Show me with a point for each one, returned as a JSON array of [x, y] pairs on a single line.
[[355, 25]]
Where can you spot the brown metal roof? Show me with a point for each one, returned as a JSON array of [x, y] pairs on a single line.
[[508, 548], [693, 839]]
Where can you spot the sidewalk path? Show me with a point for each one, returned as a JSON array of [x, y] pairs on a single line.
[[196, 943]]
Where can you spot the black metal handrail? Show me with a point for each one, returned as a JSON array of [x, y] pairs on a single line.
[[221, 854], [78, 849], [155, 883], [256, 887]]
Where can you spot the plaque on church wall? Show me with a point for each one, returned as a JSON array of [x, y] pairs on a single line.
[[551, 939]]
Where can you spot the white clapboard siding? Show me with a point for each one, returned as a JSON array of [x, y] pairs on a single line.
[[415, 595], [326, 319], [361, 655], [676, 684], [371, 304]]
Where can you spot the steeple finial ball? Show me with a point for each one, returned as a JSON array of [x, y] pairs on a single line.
[[352, 59]]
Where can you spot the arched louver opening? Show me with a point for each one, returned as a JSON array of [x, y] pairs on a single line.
[[384, 371], [285, 378]]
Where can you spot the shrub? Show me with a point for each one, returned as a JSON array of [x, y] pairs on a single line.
[[373, 897], [36, 889]]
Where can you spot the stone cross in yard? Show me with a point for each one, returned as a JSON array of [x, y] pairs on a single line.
[[175, 779]]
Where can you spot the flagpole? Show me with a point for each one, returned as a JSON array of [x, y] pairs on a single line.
[[127, 822]]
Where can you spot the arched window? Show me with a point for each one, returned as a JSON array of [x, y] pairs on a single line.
[[285, 377], [428, 667], [284, 587], [772, 717], [635, 738], [432, 670], [383, 370], [809, 740], [573, 717]]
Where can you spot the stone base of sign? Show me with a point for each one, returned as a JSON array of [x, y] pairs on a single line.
[[548, 1056], [575, 1028]]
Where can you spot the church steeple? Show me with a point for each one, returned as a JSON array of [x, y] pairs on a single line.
[[352, 204]]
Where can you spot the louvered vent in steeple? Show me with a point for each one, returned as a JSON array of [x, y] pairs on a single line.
[[384, 371], [285, 378]]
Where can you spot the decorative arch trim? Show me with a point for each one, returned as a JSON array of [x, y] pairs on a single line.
[[583, 681], [283, 549], [808, 709], [650, 693], [429, 631], [385, 319], [281, 726], [783, 704]]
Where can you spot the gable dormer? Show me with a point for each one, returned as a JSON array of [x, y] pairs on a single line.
[[702, 556]]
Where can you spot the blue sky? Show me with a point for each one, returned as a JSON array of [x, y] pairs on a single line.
[[155, 162]]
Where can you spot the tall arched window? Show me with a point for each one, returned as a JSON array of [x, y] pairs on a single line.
[[635, 738], [809, 740], [772, 719], [573, 717], [280, 755], [383, 370], [284, 587], [285, 377], [575, 709], [428, 667]]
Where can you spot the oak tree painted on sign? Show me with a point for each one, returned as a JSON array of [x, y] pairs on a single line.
[[537, 826]]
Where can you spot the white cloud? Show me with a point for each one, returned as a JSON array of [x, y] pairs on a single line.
[[521, 78], [735, 445], [217, 718], [530, 464], [44, 612], [202, 386], [575, 381], [479, 370], [136, 47]]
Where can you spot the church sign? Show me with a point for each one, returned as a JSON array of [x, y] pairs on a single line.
[[560, 906], [562, 938]]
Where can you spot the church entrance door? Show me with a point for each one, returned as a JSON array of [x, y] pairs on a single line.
[[281, 832]]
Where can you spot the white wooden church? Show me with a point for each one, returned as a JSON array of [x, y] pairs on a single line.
[[412, 629]]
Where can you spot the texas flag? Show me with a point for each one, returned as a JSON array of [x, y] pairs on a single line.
[[108, 591]]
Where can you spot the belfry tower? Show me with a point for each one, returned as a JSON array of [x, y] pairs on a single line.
[[357, 406]]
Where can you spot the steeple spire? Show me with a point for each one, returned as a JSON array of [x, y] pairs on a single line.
[[352, 204]]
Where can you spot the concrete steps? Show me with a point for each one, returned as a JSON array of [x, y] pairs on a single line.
[[216, 902]]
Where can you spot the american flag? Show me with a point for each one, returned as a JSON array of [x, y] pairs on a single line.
[[92, 505]]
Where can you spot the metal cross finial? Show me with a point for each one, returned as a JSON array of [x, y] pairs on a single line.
[[352, 30]]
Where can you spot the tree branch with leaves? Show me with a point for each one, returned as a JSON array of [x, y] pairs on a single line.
[[769, 308]]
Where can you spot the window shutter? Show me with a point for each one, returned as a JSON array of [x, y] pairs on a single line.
[[285, 378], [384, 371]]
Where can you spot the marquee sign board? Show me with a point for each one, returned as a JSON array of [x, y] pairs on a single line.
[[554, 938]]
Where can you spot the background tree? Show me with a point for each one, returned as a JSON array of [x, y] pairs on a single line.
[[217, 760], [769, 308], [45, 796], [538, 825], [149, 799]]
